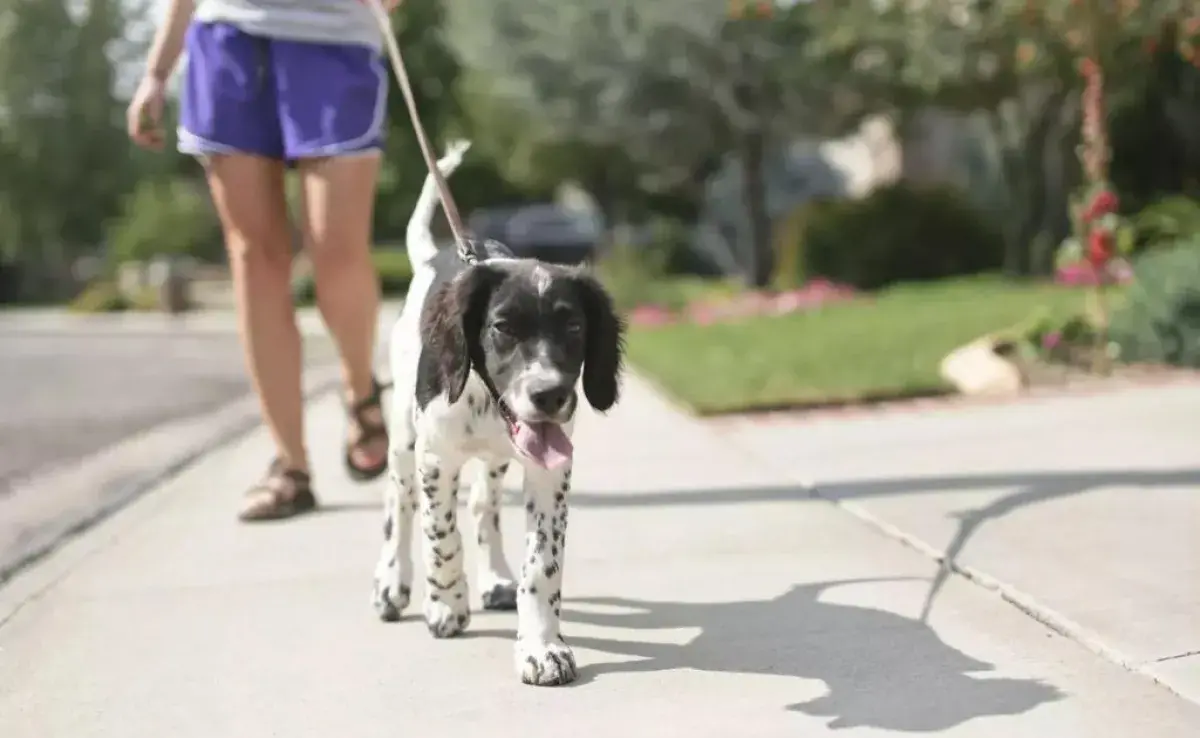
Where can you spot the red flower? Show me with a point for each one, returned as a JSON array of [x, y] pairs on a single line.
[[1102, 204], [1100, 247]]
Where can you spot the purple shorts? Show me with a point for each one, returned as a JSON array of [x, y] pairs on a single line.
[[285, 100]]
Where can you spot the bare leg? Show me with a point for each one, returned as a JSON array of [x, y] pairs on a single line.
[[248, 193], [339, 197]]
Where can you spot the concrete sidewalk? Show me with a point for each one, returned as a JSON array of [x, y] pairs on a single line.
[[706, 595], [1084, 510]]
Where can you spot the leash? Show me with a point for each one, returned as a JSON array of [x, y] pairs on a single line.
[[463, 244]]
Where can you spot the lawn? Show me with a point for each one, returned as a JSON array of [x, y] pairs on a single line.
[[885, 346]]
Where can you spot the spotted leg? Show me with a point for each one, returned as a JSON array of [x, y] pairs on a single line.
[[446, 607], [542, 656], [496, 581], [394, 570]]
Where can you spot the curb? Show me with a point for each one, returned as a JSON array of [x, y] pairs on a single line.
[[43, 513]]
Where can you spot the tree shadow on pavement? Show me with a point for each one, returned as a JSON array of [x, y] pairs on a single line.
[[1032, 488], [880, 669]]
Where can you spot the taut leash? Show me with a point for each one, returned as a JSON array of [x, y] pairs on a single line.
[[466, 250]]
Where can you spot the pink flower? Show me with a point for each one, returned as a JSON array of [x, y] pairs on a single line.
[[703, 314], [1078, 274], [1102, 204], [651, 315], [1051, 340], [1101, 247]]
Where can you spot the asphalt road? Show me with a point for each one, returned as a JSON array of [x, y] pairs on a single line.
[[69, 392]]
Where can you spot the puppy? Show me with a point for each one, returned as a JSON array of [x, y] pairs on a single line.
[[486, 359]]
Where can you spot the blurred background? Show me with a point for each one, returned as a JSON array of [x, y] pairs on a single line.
[[796, 203]]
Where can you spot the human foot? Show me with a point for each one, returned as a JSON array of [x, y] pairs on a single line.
[[367, 440], [283, 493]]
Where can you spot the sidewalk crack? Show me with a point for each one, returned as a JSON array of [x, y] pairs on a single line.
[[1176, 657]]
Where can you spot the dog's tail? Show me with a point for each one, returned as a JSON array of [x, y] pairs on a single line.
[[421, 246]]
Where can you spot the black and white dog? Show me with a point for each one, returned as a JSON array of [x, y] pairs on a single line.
[[485, 360]]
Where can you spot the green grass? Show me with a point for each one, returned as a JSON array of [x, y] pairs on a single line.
[[886, 346]]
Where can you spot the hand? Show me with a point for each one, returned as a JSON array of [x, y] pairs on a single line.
[[143, 119]]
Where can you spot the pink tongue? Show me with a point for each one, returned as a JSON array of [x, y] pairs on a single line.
[[544, 443]]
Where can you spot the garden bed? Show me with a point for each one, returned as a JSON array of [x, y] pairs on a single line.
[[842, 350]]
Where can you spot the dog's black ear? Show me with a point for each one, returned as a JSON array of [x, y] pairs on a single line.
[[604, 350], [450, 326]]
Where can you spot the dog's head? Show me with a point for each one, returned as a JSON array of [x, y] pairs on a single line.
[[532, 329]]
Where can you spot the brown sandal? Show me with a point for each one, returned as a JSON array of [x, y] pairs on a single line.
[[368, 430], [282, 494]]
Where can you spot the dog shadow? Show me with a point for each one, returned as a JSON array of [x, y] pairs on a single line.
[[880, 669]]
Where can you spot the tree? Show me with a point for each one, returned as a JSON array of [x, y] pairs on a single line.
[[64, 154], [1012, 61], [673, 84], [524, 153]]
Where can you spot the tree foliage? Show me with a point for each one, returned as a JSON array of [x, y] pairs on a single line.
[[673, 86], [1015, 63], [64, 158]]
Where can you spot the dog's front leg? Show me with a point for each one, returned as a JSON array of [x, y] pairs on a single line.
[[394, 570], [542, 656], [495, 578], [447, 610]]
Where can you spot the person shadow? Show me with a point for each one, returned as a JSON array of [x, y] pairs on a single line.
[[880, 669]]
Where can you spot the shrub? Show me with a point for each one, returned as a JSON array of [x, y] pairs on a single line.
[[789, 250], [636, 276], [1166, 222], [103, 296], [898, 233], [395, 271], [171, 218], [630, 274], [395, 274], [1159, 320], [100, 297]]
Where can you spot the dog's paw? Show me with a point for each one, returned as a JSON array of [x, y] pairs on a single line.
[[444, 620], [390, 593], [502, 596], [545, 664], [389, 601]]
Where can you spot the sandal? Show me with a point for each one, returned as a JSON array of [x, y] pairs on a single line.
[[281, 494], [368, 430]]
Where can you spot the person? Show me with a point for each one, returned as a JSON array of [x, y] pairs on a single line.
[[271, 85]]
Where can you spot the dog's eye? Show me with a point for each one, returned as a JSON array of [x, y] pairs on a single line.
[[503, 327], [574, 326]]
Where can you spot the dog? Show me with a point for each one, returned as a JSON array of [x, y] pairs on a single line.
[[485, 359]]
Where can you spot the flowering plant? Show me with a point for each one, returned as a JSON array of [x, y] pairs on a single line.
[[1100, 236]]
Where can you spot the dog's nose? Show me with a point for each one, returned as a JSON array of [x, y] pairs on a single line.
[[550, 400]]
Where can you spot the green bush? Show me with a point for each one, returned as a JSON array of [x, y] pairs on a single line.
[[395, 274], [898, 233], [1166, 222], [100, 297], [630, 274], [395, 271], [103, 296], [1159, 320], [637, 276], [166, 218]]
